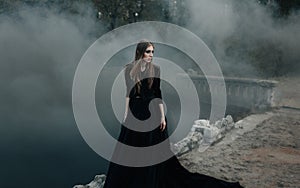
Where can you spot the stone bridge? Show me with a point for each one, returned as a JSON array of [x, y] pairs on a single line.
[[243, 95]]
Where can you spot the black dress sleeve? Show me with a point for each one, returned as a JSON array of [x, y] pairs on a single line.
[[156, 84], [128, 80]]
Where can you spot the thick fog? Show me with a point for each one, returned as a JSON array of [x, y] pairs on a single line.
[[40, 49], [246, 36]]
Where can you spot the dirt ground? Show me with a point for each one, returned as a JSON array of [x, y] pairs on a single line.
[[267, 156]]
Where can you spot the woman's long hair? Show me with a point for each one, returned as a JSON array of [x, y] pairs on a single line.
[[135, 73]]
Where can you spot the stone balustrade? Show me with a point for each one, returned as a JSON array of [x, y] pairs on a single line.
[[252, 94]]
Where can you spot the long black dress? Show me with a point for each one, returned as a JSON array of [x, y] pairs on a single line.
[[167, 174]]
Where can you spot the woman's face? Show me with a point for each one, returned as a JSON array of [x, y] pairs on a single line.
[[148, 55]]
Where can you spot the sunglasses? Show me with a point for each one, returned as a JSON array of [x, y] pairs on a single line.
[[148, 51]]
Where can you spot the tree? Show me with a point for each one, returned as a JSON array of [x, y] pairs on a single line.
[[120, 12], [282, 8]]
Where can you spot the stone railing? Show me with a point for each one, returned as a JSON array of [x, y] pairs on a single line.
[[253, 94]]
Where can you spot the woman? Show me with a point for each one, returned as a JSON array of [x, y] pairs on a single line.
[[143, 102]]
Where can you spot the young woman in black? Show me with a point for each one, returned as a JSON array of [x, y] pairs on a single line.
[[145, 125]]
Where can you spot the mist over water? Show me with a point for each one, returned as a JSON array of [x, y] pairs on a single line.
[[39, 52], [40, 144]]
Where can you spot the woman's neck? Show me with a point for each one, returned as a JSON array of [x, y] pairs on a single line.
[[143, 66]]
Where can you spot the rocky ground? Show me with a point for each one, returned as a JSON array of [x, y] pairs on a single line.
[[265, 155]]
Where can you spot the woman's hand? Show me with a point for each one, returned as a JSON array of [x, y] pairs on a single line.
[[125, 116], [163, 124]]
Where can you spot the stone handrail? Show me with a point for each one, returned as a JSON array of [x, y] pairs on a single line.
[[253, 94]]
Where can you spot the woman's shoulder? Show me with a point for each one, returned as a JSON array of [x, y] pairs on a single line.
[[128, 66], [156, 67]]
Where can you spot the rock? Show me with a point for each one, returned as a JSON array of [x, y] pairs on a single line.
[[193, 140], [98, 182], [203, 134], [218, 124], [202, 122], [228, 122], [210, 134]]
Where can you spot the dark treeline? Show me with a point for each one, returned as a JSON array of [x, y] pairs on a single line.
[[119, 12], [113, 13], [282, 8]]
